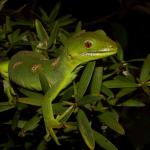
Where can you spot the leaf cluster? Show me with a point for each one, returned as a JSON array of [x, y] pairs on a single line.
[[90, 107]]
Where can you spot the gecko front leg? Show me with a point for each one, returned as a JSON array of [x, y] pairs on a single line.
[[48, 115], [8, 90]]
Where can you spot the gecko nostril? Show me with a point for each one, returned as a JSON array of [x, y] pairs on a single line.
[[111, 46]]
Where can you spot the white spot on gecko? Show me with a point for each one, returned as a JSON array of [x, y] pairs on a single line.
[[18, 63], [55, 62], [36, 67]]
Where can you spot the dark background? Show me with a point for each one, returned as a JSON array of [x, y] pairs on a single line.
[[133, 15]]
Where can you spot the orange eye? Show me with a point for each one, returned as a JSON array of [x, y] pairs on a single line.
[[88, 44]]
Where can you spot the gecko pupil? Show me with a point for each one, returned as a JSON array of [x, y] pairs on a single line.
[[88, 44]]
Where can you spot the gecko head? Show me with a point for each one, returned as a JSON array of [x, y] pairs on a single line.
[[87, 46]]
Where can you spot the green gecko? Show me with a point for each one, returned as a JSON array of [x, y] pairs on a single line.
[[25, 66]]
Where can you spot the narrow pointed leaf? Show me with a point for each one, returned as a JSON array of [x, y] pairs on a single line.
[[65, 116], [147, 83], [15, 120], [22, 23], [107, 91], [120, 54], [32, 123], [125, 91], [120, 83], [42, 35], [54, 12], [8, 24], [41, 32], [97, 81], [78, 27], [67, 94], [66, 20], [132, 103], [54, 33], [30, 101], [44, 15], [63, 36], [89, 99], [14, 36], [21, 123], [120, 33], [2, 3], [42, 145], [44, 82], [85, 80], [30, 93], [110, 118], [145, 71], [4, 106], [103, 141], [85, 129], [59, 108]]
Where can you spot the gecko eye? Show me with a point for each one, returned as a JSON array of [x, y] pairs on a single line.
[[88, 44]]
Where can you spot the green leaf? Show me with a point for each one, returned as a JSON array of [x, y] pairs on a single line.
[[63, 36], [85, 80], [59, 108], [67, 93], [147, 83], [85, 129], [42, 35], [32, 123], [103, 141], [66, 20], [120, 54], [89, 99], [14, 36], [2, 37], [107, 91], [120, 34], [8, 25], [97, 81], [65, 116], [44, 82], [44, 15], [30, 101], [145, 71], [132, 103], [54, 33], [30, 93], [2, 3], [15, 120], [21, 123], [4, 106], [42, 145], [23, 23], [110, 118], [78, 27], [120, 82], [125, 91], [53, 14]]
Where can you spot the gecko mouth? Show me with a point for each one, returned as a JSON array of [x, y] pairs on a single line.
[[104, 51]]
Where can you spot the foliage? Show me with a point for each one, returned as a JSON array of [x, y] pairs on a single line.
[[90, 107]]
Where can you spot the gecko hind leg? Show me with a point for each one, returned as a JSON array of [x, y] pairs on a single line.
[[9, 91]]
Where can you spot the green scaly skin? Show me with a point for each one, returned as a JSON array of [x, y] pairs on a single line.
[[24, 68]]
